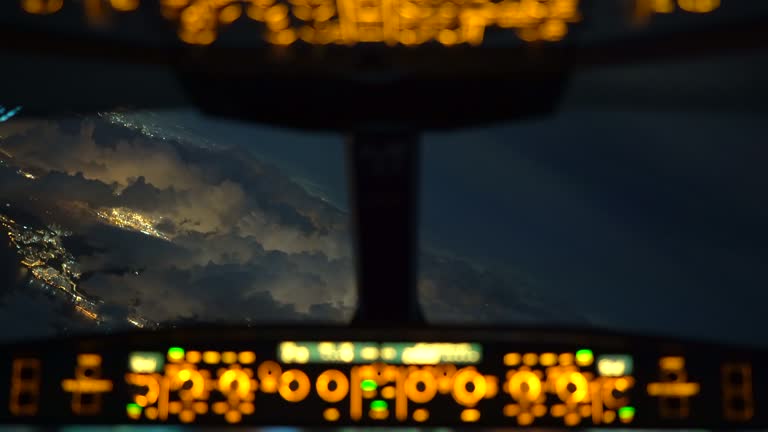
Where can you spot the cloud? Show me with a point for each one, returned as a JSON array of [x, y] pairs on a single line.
[[248, 244]]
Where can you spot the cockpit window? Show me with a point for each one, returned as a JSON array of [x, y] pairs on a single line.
[[159, 219], [641, 221]]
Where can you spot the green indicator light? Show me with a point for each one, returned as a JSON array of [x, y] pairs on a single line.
[[369, 385], [175, 353], [584, 357], [133, 409], [379, 405], [627, 412]]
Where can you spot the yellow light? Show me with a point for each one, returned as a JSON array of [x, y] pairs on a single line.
[[511, 410], [539, 410], [230, 14], [524, 419], [89, 360], [461, 393], [524, 386], [124, 5], [331, 414], [553, 30], [220, 407], [421, 415], [579, 390], [572, 419], [151, 413], [530, 359], [548, 359], [184, 375], [187, 416], [246, 357], [238, 376], [201, 407], [247, 408], [229, 357], [232, 416], [211, 357], [672, 363], [302, 389], [662, 6], [609, 417], [193, 356], [512, 359], [447, 37], [369, 353], [269, 372], [470, 415], [388, 392], [323, 382], [565, 359], [673, 389], [698, 6], [558, 410], [427, 381], [33, 6]]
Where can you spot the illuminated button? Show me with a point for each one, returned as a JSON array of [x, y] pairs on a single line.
[[211, 357], [332, 386], [524, 386], [584, 357], [294, 385], [187, 416], [269, 373], [470, 415], [468, 387], [626, 414], [388, 392], [421, 415], [194, 356], [233, 416], [572, 387], [331, 414], [151, 413], [247, 408], [235, 381], [565, 359], [530, 359], [512, 359], [614, 365], [420, 386], [175, 354], [133, 410], [145, 362], [609, 417], [246, 357], [368, 385], [229, 357], [548, 359]]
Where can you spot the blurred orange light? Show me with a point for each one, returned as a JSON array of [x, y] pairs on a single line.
[[124, 5]]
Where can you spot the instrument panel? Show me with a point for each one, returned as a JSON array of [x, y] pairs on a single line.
[[335, 376]]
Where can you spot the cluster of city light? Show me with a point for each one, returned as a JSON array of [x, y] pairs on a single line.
[[54, 268], [406, 22], [38, 249], [126, 218]]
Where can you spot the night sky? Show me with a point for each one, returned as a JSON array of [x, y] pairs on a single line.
[[657, 227]]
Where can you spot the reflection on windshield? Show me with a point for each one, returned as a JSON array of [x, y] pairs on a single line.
[[138, 220]]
